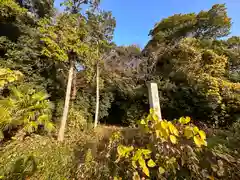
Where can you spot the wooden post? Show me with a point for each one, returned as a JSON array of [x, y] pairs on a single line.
[[154, 99]]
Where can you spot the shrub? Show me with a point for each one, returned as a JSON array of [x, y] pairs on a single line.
[[170, 150], [26, 109]]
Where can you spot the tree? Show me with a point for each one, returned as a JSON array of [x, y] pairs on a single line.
[[210, 24], [65, 40], [101, 27], [40, 8]]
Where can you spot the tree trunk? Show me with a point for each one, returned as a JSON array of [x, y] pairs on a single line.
[[74, 84], [66, 105], [97, 98]]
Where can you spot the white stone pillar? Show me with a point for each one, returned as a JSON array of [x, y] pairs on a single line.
[[154, 99]]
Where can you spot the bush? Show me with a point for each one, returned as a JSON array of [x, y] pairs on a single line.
[[163, 150], [25, 109]]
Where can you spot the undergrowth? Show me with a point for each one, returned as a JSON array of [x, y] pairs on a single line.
[[110, 152]]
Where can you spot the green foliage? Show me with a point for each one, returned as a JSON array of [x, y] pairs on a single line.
[[206, 24], [170, 150], [39, 8], [26, 109], [8, 76], [9, 10], [164, 136]]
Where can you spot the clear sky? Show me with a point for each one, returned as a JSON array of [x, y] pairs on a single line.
[[135, 18]]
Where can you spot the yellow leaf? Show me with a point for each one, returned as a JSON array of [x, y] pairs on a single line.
[[182, 120], [198, 141], [195, 130], [188, 132], [143, 166], [146, 170], [161, 170], [164, 124], [164, 133], [187, 120], [134, 164], [173, 139], [143, 122], [151, 163], [173, 129], [202, 134], [155, 117], [151, 111], [157, 133]]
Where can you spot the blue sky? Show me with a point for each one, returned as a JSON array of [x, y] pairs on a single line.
[[135, 18]]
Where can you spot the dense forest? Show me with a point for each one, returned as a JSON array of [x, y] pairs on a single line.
[[74, 105]]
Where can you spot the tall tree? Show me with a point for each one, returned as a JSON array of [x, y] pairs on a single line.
[[101, 27], [65, 39], [210, 24]]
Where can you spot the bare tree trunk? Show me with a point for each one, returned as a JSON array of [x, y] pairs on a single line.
[[74, 84], [97, 98], [66, 105]]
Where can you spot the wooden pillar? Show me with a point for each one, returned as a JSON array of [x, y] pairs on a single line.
[[154, 99]]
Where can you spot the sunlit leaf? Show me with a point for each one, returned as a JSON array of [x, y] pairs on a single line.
[[187, 120], [188, 132], [195, 130], [173, 139], [143, 122], [198, 141], [173, 129], [134, 164], [143, 166], [161, 170], [181, 120], [155, 117], [164, 124], [145, 170], [151, 163], [151, 111], [146, 151], [202, 134]]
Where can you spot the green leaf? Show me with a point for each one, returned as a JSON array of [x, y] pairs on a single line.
[[161, 170], [173, 139], [151, 163]]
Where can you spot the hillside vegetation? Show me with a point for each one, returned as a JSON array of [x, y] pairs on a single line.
[[74, 105]]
